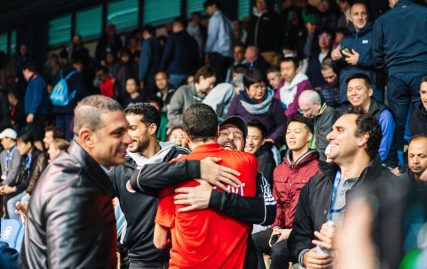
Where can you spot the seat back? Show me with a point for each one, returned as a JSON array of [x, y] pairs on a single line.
[[10, 232]]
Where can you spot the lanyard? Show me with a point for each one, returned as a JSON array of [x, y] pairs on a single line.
[[334, 196], [28, 162], [8, 158]]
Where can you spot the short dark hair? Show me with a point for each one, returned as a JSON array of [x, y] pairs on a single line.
[[205, 71], [252, 76], [30, 65], [134, 79], [162, 72], [200, 122], [366, 79], [259, 125], [239, 69], [209, 3], [26, 137], [57, 132], [180, 20], [149, 114], [309, 124], [60, 144], [366, 123], [424, 79], [103, 68], [290, 59], [149, 29], [155, 99], [273, 69]]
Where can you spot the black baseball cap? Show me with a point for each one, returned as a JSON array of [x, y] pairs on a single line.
[[238, 122]]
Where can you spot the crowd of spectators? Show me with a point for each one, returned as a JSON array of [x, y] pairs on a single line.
[[288, 73]]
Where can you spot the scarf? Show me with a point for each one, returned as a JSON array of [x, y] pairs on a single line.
[[289, 90], [140, 160], [254, 107]]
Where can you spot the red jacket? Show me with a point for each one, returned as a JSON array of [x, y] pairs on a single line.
[[289, 179], [107, 87]]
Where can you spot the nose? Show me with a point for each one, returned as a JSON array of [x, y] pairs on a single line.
[[126, 139], [330, 136], [416, 160]]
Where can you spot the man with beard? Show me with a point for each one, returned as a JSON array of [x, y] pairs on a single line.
[[254, 210], [140, 209]]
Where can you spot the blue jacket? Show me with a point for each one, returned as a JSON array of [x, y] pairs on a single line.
[[362, 43], [36, 97], [180, 55], [149, 60], [399, 39]]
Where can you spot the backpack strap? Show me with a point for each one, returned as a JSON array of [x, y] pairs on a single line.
[[61, 77], [70, 74]]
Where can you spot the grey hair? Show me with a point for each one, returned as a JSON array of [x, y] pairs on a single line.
[[89, 111], [309, 95]]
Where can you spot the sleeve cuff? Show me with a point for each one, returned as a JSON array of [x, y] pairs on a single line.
[[300, 257]]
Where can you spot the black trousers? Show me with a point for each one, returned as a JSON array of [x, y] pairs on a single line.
[[220, 64], [279, 253]]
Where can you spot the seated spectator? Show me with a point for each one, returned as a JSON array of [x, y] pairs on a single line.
[[274, 77], [176, 136], [359, 93], [219, 99], [256, 145], [317, 57], [17, 114], [149, 59], [417, 158], [157, 102], [255, 60], [294, 83], [187, 95], [10, 159], [237, 73], [344, 18], [330, 90], [123, 70], [239, 59], [290, 176], [418, 121], [50, 134], [108, 42], [256, 102], [56, 148], [105, 82], [311, 106], [132, 89], [355, 53], [164, 90], [65, 114], [33, 163], [180, 56]]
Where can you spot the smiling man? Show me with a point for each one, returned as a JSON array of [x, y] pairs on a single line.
[[71, 221], [359, 93], [353, 149]]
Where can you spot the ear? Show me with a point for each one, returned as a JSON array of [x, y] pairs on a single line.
[[217, 131], [187, 139], [87, 138], [310, 136], [363, 140], [152, 128], [370, 92]]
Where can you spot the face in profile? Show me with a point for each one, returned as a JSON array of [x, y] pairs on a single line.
[[138, 132]]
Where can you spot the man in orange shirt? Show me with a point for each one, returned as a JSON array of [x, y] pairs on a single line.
[[205, 238]]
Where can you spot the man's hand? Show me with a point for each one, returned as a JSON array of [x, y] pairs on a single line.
[[314, 260], [195, 197], [352, 58], [284, 234], [6, 190], [325, 236], [22, 211], [218, 175], [30, 118], [336, 54]]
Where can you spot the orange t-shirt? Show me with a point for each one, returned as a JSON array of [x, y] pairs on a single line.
[[205, 238]]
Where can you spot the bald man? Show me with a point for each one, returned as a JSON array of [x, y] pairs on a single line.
[[311, 106], [417, 159], [254, 60]]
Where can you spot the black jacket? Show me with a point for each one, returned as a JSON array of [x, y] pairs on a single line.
[[4, 112], [266, 162], [418, 121], [314, 203], [27, 179], [70, 220], [254, 210], [180, 55], [139, 210], [397, 44], [265, 32]]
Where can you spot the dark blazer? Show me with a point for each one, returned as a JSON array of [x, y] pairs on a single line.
[[71, 220]]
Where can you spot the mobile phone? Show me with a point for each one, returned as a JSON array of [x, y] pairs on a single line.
[[345, 50], [274, 239]]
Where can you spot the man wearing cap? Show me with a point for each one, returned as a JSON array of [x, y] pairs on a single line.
[[10, 159], [290, 176], [254, 210]]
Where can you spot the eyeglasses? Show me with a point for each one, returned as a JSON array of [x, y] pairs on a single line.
[[302, 111], [324, 37]]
